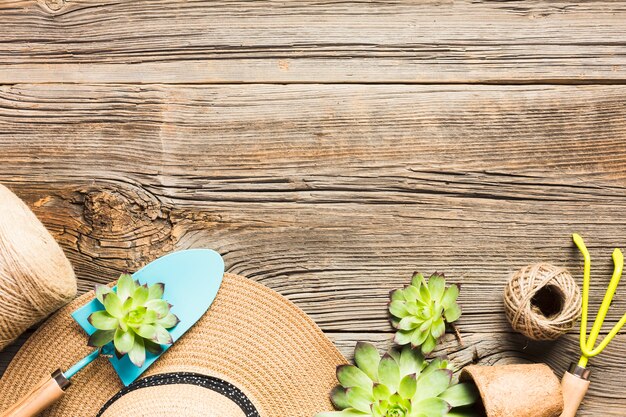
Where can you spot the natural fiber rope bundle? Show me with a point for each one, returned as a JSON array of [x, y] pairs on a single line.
[[35, 276], [542, 301]]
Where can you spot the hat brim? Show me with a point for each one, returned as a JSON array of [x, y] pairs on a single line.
[[251, 337], [179, 397]]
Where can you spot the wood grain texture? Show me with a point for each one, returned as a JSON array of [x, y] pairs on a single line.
[[333, 195], [328, 149], [312, 41]]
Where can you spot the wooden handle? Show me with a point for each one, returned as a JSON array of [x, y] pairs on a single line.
[[43, 395], [574, 390]]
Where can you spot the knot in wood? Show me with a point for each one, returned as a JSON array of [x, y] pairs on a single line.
[[114, 213], [125, 223], [53, 5]]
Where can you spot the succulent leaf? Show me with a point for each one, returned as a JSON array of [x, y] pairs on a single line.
[[140, 296], [417, 337], [450, 296], [398, 308], [389, 373], [405, 385], [408, 386], [411, 293], [452, 313], [359, 399], [435, 364], [137, 354], [101, 337], [417, 280], [168, 321], [160, 307], [461, 394], [381, 392], [409, 323], [147, 331], [429, 344], [421, 310], [101, 290], [125, 287], [124, 341], [339, 398], [436, 286], [367, 359], [432, 407], [350, 376], [396, 295], [155, 292], [103, 321], [403, 337], [162, 336], [438, 328], [113, 305], [411, 361], [135, 318], [433, 384], [150, 317]]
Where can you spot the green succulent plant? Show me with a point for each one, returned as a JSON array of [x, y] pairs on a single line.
[[400, 384], [421, 310], [135, 318]]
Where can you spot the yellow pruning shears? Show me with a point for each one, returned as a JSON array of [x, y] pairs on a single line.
[[575, 382]]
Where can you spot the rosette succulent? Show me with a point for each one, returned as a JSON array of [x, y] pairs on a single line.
[[135, 318], [400, 384], [421, 310]]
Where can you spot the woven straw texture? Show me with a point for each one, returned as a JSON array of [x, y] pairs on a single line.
[[251, 337], [174, 401]]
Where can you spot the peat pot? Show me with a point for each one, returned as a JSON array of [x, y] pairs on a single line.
[[517, 390]]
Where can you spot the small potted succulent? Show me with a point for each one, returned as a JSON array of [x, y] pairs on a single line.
[[135, 318]]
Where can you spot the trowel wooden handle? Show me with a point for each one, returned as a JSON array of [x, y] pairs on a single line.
[[574, 389], [43, 395]]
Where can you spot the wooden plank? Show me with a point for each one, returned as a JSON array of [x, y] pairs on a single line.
[[311, 41], [298, 189], [332, 195]]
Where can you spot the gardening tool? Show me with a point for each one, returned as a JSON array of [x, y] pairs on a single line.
[[575, 382], [192, 279]]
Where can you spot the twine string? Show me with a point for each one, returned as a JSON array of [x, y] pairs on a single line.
[[526, 317], [35, 276]]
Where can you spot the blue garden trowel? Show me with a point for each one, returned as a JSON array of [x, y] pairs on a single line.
[[192, 279]]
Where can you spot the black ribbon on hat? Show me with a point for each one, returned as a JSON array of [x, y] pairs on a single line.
[[215, 384]]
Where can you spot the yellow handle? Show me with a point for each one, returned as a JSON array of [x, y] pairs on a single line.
[[586, 345], [42, 396], [574, 390]]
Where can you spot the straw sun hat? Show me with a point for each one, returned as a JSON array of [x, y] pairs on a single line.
[[254, 353]]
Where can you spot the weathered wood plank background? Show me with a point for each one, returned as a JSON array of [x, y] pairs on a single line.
[[328, 149]]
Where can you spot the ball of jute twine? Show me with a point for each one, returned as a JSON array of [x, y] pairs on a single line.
[[35, 276], [536, 289]]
